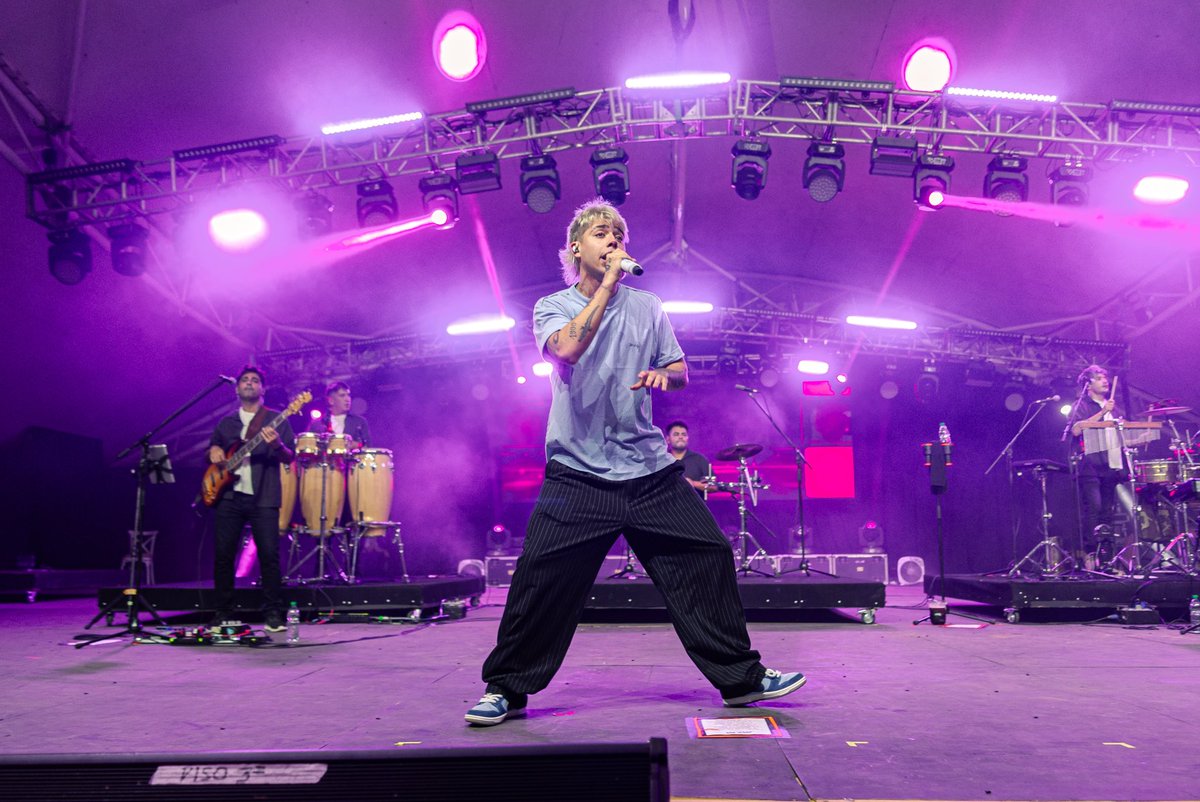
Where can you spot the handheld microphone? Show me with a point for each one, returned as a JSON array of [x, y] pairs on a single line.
[[229, 379], [630, 266], [745, 389], [1049, 399]]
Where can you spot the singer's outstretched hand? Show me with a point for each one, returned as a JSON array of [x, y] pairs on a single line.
[[651, 380]]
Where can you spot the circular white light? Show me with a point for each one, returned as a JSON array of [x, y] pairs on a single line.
[[929, 65], [238, 229], [813, 367], [459, 46]]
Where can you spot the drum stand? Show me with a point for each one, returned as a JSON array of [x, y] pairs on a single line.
[[748, 486], [1134, 562], [322, 549], [359, 532], [1054, 561]]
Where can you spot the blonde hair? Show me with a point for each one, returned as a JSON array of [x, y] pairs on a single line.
[[585, 216]]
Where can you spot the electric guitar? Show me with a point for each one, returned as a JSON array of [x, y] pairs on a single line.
[[218, 476]]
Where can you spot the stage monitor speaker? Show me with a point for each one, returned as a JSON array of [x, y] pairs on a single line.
[[910, 571], [582, 773]]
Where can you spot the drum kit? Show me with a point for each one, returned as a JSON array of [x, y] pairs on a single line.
[[327, 470], [1168, 499], [745, 488]]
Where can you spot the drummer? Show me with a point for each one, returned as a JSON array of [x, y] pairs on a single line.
[[1100, 473], [339, 420], [696, 467]]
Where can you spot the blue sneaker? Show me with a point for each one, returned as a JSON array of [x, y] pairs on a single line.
[[773, 686], [493, 709]]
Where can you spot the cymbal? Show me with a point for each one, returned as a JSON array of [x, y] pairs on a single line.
[[1165, 411], [738, 451]]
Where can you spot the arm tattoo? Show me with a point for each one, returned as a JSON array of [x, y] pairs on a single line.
[[587, 325], [554, 341], [573, 332]]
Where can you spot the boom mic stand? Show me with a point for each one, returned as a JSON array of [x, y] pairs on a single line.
[[1007, 453], [147, 466], [801, 462]]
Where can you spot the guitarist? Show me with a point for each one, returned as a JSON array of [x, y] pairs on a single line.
[[254, 497]]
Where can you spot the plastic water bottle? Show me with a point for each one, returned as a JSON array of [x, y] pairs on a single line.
[[943, 434], [293, 623], [1194, 610]]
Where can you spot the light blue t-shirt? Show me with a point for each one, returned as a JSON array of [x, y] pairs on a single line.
[[597, 424]]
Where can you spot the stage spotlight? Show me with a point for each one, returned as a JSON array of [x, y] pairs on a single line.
[[870, 538], [459, 46], [438, 191], [1006, 181], [611, 174], [314, 214], [70, 255], [128, 249], [499, 541], [824, 171], [1069, 186], [1014, 397], [929, 65], [540, 184], [926, 387], [894, 156], [1160, 190], [376, 203], [932, 180], [750, 167], [888, 389], [479, 172]]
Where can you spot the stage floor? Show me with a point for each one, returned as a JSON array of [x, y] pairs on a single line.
[[891, 711]]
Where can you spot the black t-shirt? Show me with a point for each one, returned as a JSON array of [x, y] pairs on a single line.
[[695, 466]]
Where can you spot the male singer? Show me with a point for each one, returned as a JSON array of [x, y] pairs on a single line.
[[607, 473]]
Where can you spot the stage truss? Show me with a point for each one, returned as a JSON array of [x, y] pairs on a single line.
[[104, 193]]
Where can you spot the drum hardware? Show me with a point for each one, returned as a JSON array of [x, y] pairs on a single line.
[[371, 487], [1054, 560], [320, 512], [630, 569], [747, 485]]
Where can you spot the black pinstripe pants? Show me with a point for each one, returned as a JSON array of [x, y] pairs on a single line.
[[575, 522]]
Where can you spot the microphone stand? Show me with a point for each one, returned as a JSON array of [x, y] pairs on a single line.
[[1007, 452], [131, 599], [801, 462]]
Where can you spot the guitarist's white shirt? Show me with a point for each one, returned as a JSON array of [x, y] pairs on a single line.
[[244, 483]]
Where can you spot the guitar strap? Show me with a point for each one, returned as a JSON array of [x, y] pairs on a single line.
[[256, 423]]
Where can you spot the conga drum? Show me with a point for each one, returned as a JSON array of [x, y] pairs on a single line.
[[308, 447], [371, 487], [315, 480], [337, 446], [289, 481]]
